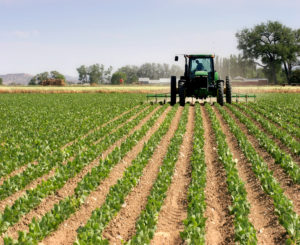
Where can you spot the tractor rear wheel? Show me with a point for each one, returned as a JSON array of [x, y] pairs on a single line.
[[173, 90], [220, 92], [181, 90], [228, 90]]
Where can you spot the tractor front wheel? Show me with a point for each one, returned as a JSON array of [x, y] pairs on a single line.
[[181, 90], [220, 92], [173, 90], [228, 90]]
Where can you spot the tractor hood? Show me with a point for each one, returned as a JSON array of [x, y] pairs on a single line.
[[201, 73]]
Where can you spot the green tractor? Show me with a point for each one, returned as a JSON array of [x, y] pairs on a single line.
[[200, 80]]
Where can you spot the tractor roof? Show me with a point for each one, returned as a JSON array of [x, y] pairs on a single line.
[[200, 55]]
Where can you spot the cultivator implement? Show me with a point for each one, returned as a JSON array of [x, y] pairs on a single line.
[[164, 97]]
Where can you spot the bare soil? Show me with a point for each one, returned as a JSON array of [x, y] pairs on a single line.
[[262, 216], [174, 210], [219, 224]]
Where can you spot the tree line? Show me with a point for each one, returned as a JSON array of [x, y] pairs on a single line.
[[127, 74]]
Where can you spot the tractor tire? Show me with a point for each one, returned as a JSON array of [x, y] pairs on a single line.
[[228, 91], [220, 92], [181, 90], [173, 90]]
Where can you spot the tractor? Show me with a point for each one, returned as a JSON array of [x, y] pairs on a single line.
[[200, 80]]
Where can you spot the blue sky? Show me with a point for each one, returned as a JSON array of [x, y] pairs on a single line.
[[44, 35]]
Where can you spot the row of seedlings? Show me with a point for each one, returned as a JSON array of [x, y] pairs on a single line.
[[282, 158], [194, 225], [146, 223], [91, 233], [266, 113], [283, 136], [33, 197], [35, 143], [39, 229], [283, 206], [282, 113], [244, 230], [48, 162]]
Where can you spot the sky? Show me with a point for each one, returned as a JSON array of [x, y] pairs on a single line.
[[45, 35]]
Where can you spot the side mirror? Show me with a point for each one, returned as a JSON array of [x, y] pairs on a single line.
[[176, 58]]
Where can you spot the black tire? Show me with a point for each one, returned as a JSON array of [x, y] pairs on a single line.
[[173, 90], [220, 92], [228, 91], [181, 90]]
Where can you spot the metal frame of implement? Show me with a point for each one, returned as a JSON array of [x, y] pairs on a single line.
[[167, 95]]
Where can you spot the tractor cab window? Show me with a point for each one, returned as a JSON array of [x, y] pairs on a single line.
[[201, 64]]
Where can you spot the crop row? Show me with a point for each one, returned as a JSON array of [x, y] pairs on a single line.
[[283, 206], [282, 158], [33, 197], [36, 142], [147, 221], [244, 230], [34, 127], [266, 112], [194, 231], [285, 138], [38, 229], [56, 158], [91, 233]]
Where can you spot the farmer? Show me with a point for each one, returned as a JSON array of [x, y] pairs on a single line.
[[199, 66]]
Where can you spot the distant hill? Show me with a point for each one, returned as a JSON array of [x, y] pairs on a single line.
[[17, 79], [24, 78]]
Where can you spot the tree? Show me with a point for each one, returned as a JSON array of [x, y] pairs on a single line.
[[94, 74], [117, 76], [83, 74], [57, 75], [270, 45], [1, 81], [39, 78], [131, 73]]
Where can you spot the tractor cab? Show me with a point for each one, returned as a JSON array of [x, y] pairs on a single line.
[[201, 71]]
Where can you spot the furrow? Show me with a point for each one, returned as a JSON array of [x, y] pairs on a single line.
[[219, 223], [174, 210], [262, 216], [122, 227]]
